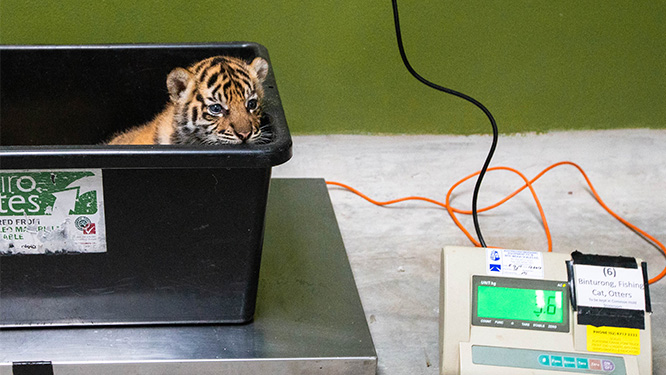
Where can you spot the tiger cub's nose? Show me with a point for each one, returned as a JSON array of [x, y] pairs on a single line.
[[243, 135]]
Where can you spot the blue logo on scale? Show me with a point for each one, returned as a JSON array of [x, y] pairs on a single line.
[[495, 268]]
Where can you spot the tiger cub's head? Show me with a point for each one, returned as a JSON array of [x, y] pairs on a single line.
[[217, 101]]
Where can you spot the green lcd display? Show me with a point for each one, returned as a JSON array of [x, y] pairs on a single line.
[[534, 305]]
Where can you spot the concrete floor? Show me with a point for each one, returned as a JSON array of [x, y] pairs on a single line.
[[395, 252]]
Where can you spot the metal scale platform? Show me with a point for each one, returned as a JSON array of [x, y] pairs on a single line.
[[309, 317]]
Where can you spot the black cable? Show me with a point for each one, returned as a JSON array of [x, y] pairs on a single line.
[[477, 187]]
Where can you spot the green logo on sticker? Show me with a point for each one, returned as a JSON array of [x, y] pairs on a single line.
[[82, 222], [45, 193]]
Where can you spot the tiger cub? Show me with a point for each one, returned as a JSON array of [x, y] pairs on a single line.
[[214, 101]]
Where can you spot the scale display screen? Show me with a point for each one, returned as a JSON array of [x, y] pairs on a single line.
[[520, 303]]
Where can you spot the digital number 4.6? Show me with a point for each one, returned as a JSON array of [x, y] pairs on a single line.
[[550, 307]]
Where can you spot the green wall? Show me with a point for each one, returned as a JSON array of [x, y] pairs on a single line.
[[538, 65]]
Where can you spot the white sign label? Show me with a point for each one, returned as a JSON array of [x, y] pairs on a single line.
[[609, 287], [514, 263], [51, 212]]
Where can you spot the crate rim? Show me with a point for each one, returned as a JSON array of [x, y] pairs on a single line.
[[276, 152]]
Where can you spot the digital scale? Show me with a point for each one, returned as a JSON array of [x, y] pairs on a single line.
[[512, 312]]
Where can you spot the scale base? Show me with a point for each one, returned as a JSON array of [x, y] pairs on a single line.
[[308, 319]]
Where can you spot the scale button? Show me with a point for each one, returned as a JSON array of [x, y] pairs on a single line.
[[595, 364], [569, 362], [607, 365], [544, 360], [581, 363], [556, 361]]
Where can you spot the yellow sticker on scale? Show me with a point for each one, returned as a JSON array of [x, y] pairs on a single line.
[[614, 340]]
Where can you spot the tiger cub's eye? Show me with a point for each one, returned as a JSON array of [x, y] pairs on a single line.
[[215, 109], [252, 104]]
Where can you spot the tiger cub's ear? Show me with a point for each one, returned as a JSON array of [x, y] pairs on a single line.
[[260, 66], [180, 84]]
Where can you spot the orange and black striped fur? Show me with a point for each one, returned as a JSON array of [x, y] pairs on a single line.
[[215, 101]]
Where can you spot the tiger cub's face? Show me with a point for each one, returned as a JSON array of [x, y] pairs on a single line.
[[217, 101]]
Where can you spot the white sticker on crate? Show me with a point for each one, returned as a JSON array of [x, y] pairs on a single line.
[[51, 212], [514, 263]]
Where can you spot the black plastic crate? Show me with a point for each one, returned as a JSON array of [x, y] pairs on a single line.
[[184, 224]]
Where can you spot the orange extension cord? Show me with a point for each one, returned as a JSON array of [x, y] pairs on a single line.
[[528, 184]]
